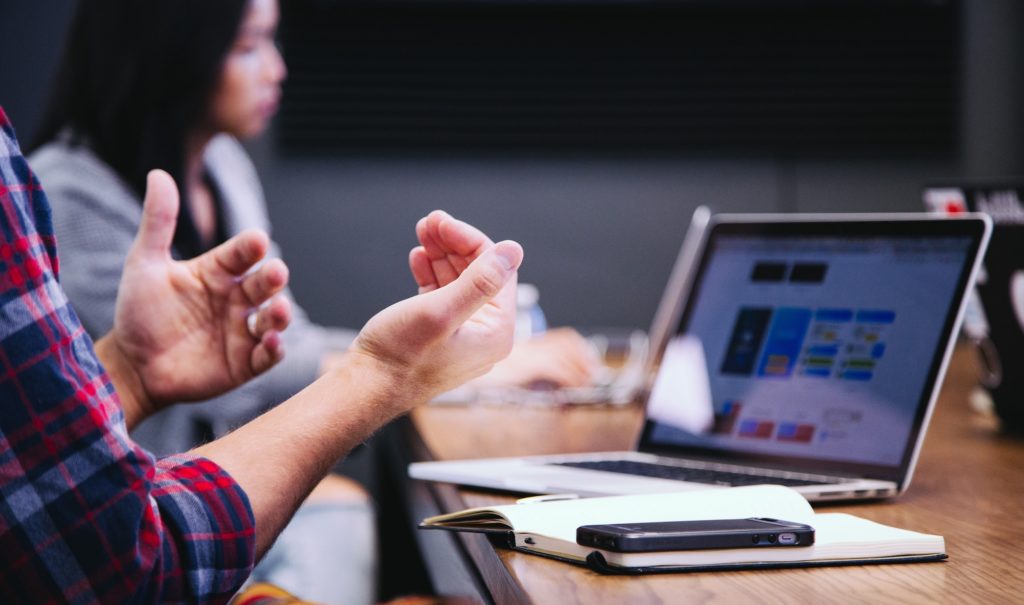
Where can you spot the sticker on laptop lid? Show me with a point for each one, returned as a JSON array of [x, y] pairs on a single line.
[[947, 201]]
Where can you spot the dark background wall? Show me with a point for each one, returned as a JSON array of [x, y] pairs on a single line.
[[601, 222]]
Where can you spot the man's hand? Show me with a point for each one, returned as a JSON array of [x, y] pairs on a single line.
[[447, 247], [461, 323], [560, 357], [182, 330]]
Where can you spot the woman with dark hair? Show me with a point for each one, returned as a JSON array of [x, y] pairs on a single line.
[[169, 84]]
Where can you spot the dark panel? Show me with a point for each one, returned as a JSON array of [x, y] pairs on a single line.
[[31, 40], [843, 78]]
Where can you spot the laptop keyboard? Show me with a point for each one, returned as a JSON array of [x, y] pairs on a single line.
[[681, 473]]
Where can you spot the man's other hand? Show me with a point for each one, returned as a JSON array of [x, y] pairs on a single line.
[[182, 329], [462, 321]]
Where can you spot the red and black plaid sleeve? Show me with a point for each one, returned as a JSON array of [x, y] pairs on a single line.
[[86, 516]]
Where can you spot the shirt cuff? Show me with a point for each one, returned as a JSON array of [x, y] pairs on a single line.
[[213, 522]]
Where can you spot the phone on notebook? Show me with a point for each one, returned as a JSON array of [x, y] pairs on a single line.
[[695, 535]]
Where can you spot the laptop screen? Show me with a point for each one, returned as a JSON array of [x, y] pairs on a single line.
[[812, 343]]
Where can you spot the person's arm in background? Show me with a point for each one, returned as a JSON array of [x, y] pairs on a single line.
[[559, 357]]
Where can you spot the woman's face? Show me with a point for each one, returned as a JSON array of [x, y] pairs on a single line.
[[249, 90]]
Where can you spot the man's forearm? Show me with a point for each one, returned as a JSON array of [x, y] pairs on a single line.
[[280, 456], [134, 401]]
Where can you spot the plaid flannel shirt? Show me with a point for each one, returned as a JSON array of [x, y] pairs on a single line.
[[87, 516]]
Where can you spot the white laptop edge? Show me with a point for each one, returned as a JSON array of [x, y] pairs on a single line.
[[950, 345]]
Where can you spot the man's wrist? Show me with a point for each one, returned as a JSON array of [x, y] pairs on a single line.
[[393, 387], [127, 383]]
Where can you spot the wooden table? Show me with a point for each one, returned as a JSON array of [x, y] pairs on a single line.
[[969, 487]]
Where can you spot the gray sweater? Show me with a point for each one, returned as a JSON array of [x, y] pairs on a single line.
[[96, 215]]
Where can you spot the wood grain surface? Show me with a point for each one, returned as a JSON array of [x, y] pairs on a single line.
[[968, 487]]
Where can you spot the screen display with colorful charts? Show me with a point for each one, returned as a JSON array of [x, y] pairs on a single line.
[[816, 347]]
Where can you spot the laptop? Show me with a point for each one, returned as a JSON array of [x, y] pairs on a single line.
[[802, 350]]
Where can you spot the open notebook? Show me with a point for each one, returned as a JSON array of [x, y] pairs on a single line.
[[548, 528]]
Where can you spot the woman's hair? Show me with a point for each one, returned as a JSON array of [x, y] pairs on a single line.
[[136, 77]]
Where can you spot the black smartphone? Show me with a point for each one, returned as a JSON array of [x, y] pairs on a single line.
[[695, 535]]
